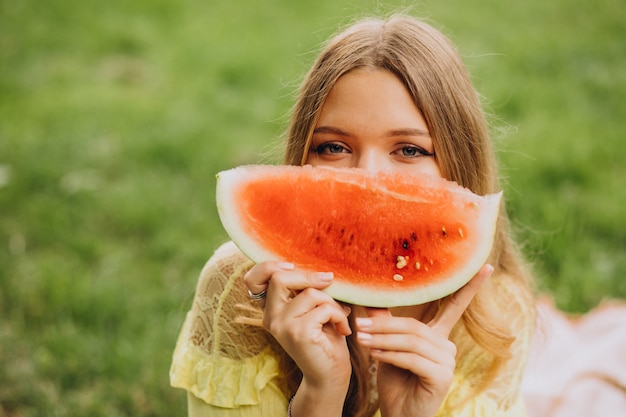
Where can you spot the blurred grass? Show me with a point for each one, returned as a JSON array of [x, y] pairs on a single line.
[[115, 117]]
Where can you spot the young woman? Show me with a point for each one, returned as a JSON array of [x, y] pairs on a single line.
[[264, 340]]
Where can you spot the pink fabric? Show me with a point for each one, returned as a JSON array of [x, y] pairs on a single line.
[[577, 365]]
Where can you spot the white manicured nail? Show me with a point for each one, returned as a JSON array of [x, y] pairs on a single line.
[[325, 276]]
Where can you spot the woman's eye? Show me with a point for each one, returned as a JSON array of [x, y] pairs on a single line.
[[413, 151], [327, 148]]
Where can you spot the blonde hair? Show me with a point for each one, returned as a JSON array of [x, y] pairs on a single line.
[[430, 68]]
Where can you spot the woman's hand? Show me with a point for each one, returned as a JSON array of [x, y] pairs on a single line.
[[312, 328], [416, 360]]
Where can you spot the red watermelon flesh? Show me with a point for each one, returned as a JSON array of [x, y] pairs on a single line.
[[390, 239]]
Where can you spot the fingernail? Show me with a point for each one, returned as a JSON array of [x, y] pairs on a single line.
[[363, 337], [347, 309], [363, 322], [490, 269], [325, 276], [286, 265]]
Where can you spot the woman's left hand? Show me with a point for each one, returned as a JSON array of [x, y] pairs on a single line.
[[416, 360]]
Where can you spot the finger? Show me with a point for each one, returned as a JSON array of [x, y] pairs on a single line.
[[330, 313], [283, 284], [436, 349], [457, 303], [431, 373], [311, 306], [307, 300], [257, 278], [402, 334]]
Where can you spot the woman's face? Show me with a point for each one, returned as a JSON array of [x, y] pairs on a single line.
[[369, 121]]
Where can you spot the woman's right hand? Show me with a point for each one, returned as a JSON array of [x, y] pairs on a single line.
[[309, 324]]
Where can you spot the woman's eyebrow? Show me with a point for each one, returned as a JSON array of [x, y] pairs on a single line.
[[330, 129], [395, 132], [408, 132]]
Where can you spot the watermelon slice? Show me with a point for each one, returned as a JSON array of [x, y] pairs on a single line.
[[390, 239]]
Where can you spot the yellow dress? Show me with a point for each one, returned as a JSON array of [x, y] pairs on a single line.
[[231, 369]]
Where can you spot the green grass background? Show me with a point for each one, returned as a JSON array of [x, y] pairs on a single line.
[[115, 117]]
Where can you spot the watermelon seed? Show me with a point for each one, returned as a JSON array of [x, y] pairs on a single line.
[[418, 266], [398, 277], [461, 232], [443, 230], [405, 244], [401, 261], [413, 237]]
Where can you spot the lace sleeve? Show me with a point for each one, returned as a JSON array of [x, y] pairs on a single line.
[[218, 358], [220, 298]]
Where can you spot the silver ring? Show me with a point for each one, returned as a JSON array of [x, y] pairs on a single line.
[[259, 296]]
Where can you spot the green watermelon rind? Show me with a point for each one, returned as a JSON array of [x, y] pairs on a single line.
[[227, 181]]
